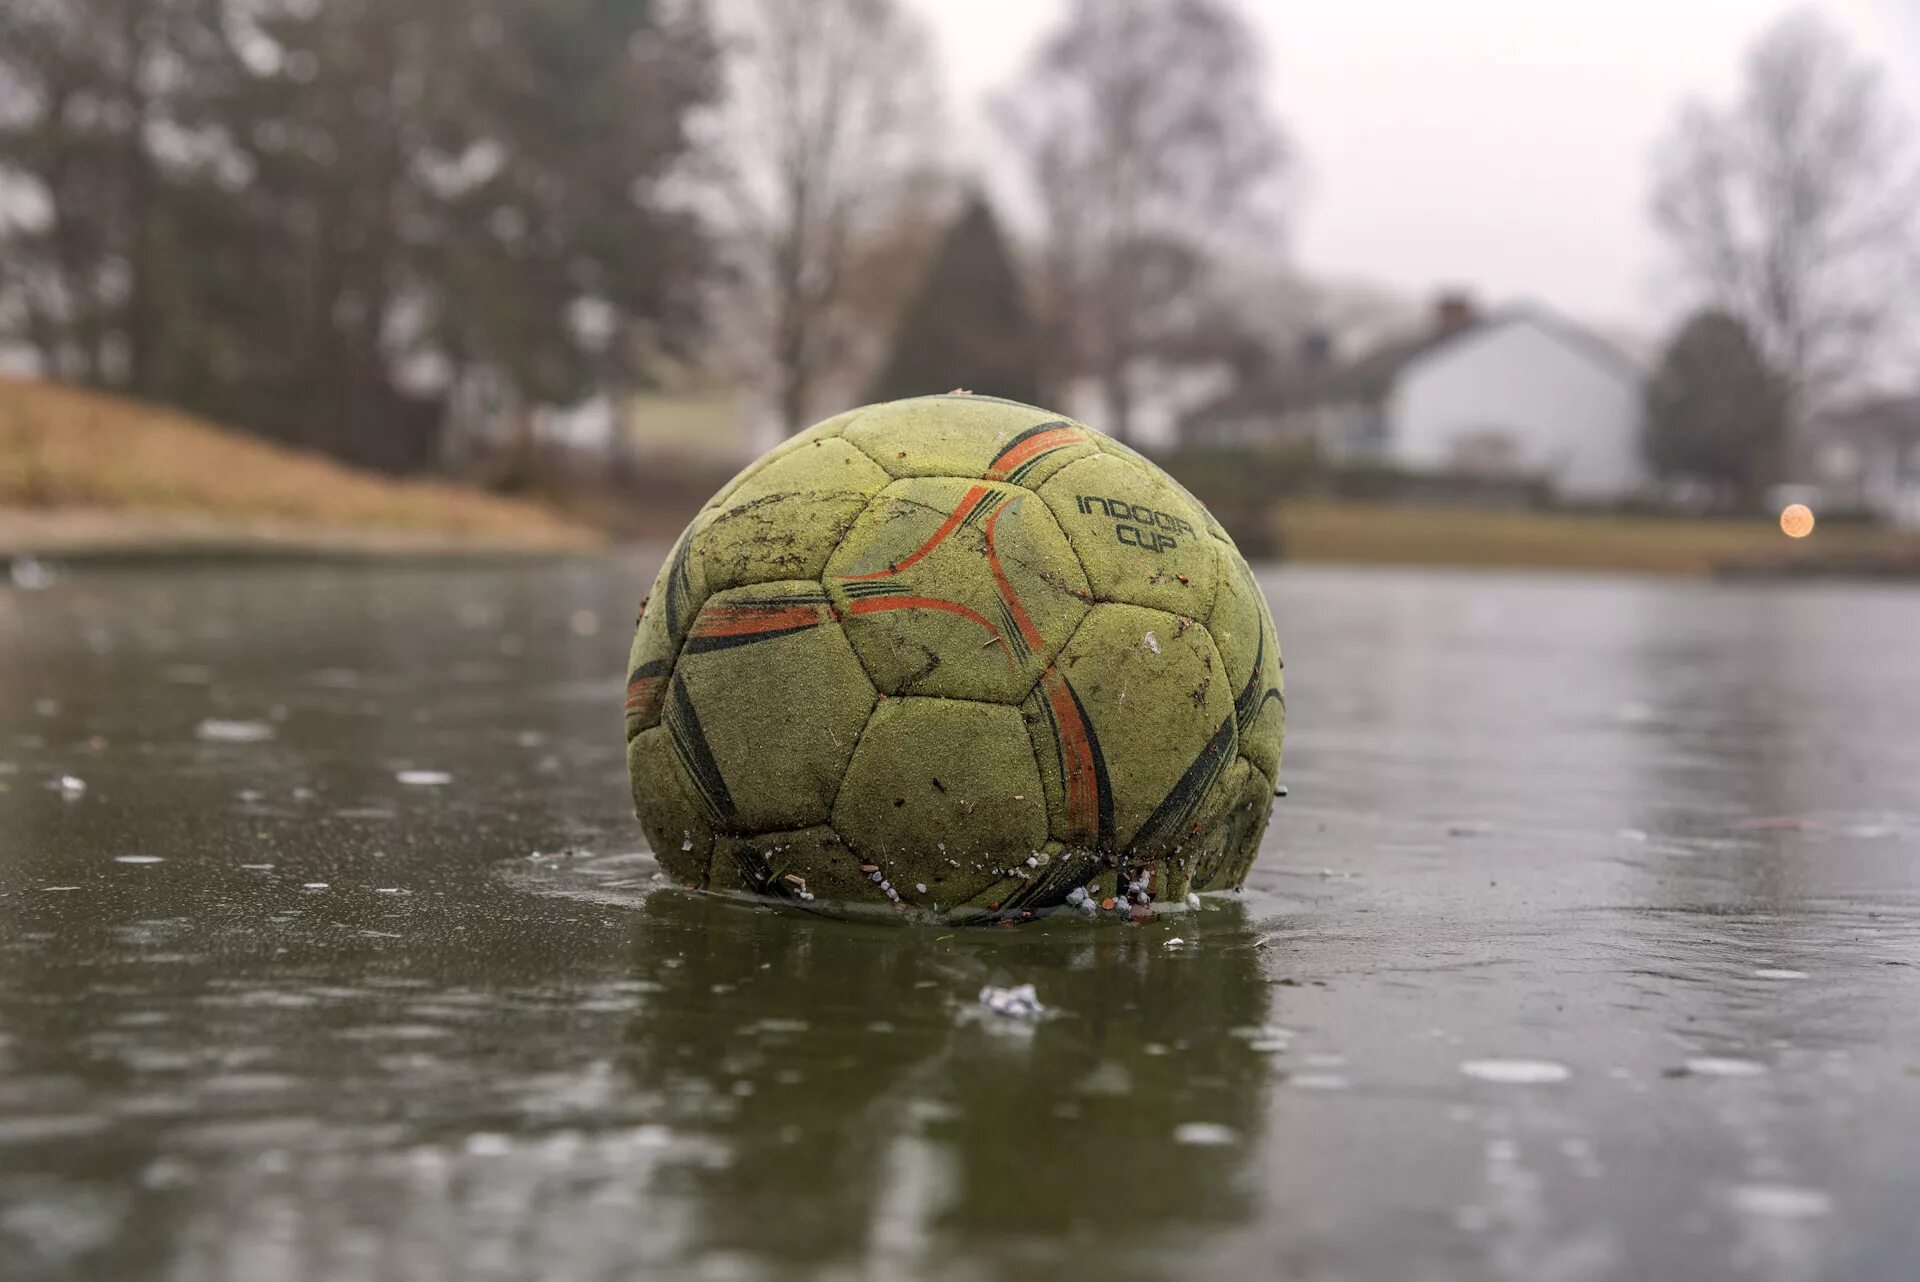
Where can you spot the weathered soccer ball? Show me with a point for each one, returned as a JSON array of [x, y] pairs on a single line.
[[958, 655]]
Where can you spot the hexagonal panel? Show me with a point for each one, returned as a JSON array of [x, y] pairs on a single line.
[[1139, 537], [1242, 629], [677, 827], [954, 588], [767, 700], [784, 520], [981, 436], [943, 793], [1132, 725]]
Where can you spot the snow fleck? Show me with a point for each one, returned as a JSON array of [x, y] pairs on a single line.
[[1516, 1072], [138, 859], [1205, 1134], [313, 885], [1782, 1201], [214, 730], [29, 575], [424, 778], [1767, 972], [70, 786]]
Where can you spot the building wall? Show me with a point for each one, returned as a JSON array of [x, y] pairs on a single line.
[[1523, 397]]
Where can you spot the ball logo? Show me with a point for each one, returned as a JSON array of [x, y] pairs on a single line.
[[1137, 525]]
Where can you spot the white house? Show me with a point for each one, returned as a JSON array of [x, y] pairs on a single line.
[[1866, 455], [1518, 392]]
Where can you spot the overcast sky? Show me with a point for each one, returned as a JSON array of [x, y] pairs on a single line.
[[1500, 145]]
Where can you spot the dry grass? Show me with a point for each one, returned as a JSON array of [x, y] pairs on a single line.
[[65, 454], [1379, 534]]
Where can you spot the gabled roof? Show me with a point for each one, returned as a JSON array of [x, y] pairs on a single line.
[[1371, 377]]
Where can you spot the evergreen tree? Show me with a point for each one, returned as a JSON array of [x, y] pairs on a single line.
[[968, 325], [304, 218], [1715, 411]]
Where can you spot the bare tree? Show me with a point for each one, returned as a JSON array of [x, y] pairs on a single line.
[[1154, 157], [1794, 210], [828, 121]]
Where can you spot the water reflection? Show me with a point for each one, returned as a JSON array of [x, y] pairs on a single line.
[[875, 1111]]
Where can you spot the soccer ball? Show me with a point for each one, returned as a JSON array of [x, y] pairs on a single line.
[[961, 656]]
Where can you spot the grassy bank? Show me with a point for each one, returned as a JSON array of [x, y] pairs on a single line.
[[81, 471], [1362, 533]]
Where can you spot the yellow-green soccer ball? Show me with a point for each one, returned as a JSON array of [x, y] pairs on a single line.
[[955, 655]]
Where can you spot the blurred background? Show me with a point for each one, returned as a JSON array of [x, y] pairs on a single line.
[[1484, 283]]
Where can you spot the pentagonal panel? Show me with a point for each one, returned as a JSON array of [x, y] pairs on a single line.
[[979, 436], [954, 588], [784, 520], [1135, 722], [1232, 822], [1242, 629], [678, 592], [812, 868], [770, 699], [679, 828], [943, 793], [1139, 537]]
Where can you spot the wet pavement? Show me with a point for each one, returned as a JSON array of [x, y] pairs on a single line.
[[1587, 946]]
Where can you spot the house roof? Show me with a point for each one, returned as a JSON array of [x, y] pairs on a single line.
[[1371, 377]]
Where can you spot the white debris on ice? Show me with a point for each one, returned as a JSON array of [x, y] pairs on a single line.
[[214, 730], [1019, 1002]]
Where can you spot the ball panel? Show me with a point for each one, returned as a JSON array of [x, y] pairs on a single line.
[[678, 592], [1232, 824], [943, 793], [1140, 540], [958, 589], [970, 436], [784, 520], [678, 829], [767, 680], [1146, 692], [1242, 629]]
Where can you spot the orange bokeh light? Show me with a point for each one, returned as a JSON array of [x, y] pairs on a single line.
[[1796, 521]]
